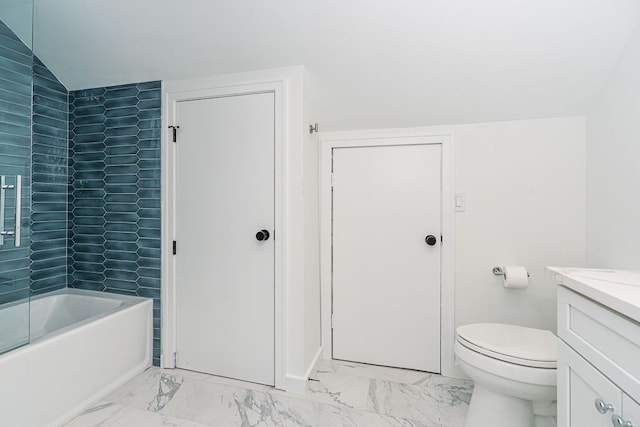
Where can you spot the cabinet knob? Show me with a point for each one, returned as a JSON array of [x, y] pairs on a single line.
[[618, 421], [603, 407]]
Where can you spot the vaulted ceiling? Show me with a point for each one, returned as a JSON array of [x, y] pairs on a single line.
[[371, 63]]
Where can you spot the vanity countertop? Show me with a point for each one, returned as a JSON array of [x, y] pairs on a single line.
[[617, 289]]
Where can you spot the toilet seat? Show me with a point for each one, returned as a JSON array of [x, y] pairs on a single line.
[[519, 345], [514, 374]]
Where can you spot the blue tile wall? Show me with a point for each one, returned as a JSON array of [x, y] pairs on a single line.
[[90, 162], [114, 202], [15, 159], [49, 240]]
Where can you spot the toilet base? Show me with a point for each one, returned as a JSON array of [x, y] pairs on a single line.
[[545, 414], [489, 408]]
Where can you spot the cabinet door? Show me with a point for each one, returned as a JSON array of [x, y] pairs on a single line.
[[631, 410], [579, 386]]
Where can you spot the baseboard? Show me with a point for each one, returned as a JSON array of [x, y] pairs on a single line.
[[295, 384], [453, 371], [315, 364]]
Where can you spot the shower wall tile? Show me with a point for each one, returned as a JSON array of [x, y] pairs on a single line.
[[15, 159], [50, 153], [114, 203]]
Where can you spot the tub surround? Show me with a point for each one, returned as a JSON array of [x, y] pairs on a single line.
[[90, 161], [33, 143], [49, 155], [16, 78], [114, 192], [98, 342], [33, 131]]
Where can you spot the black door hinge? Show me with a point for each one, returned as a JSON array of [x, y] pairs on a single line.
[[174, 247], [175, 130]]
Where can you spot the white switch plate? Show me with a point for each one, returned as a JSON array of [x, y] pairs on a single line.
[[460, 202]]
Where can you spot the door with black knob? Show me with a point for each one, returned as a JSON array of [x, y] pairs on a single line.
[[224, 214], [262, 235], [386, 255]]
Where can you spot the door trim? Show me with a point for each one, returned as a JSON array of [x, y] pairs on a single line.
[[329, 141], [184, 90]]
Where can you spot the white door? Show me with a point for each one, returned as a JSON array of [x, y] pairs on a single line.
[[224, 274], [386, 278]]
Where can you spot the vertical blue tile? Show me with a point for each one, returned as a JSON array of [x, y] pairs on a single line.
[[50, 160], [16, 80], [116, 195]]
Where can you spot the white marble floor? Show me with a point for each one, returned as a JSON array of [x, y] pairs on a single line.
[[341, 394]]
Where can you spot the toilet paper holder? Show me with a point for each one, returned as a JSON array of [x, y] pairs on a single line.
[[498, 271]]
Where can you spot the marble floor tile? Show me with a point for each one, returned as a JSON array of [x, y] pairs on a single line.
[[150, 391], [407, 376], [299, 412], [341, 390], [231, 381], [413, 395], [107, 414], [219, 404], [228, 406], [444, 404], [341, 394]]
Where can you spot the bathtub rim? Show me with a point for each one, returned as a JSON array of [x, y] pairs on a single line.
[[132, 299], [43, 359], [129, 301]]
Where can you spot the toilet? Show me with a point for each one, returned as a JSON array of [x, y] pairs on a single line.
[[513, 369]]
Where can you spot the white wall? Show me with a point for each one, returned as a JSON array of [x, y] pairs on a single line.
[[524, 188], [380, 63], [17, 15], [524, 184], [613, 168], [312, 330], [298, 236]]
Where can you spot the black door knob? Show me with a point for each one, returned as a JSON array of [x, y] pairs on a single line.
[[431, 240], [262, 235]]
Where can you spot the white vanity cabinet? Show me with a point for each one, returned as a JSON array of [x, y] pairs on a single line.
[[598, 364], [580, 386], [631, 409]]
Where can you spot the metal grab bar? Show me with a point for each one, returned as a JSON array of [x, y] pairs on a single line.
[[17, 229], [18, 206], [3, 190]]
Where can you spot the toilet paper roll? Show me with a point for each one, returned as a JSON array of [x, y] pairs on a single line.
[[515, 277]]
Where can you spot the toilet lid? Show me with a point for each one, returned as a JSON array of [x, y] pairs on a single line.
[[514, 344]]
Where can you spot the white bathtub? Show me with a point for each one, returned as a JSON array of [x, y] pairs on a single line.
[[84, 344]]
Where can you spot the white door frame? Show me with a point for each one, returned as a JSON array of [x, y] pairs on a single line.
[[183, 90], [329, 141]]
